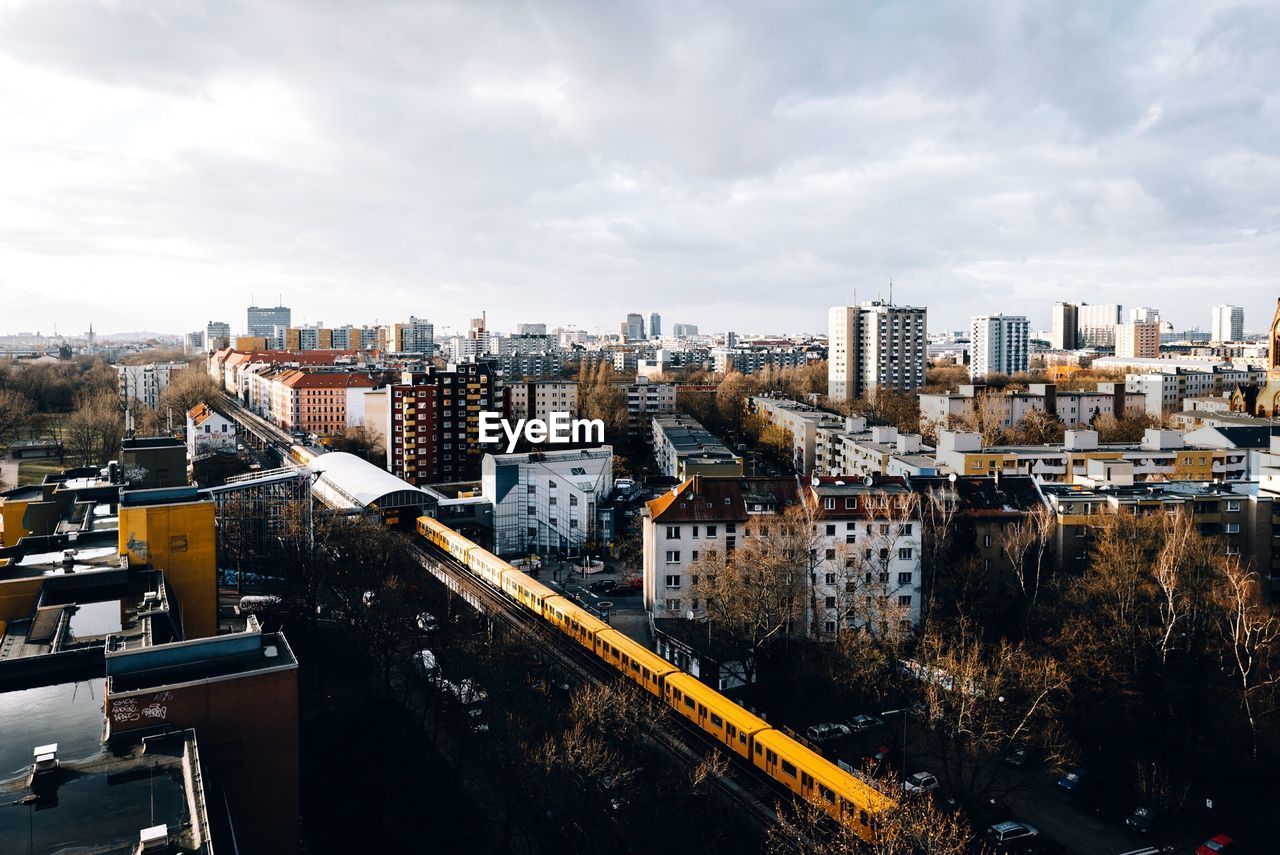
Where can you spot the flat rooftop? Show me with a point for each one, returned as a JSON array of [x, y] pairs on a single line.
[[57, 555], [220, 657], [101, 804]]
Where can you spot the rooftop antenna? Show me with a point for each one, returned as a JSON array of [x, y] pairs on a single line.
[[890, 290]]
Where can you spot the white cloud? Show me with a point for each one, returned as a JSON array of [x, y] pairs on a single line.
[[561, 162]]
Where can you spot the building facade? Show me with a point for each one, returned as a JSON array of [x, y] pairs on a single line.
[[1065, 327], [1098, 324], [1228, 323], [550, 503], [998, 344], [433, 433], [1136, 340], [872, 346]]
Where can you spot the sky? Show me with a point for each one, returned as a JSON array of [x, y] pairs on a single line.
[[738, 165]]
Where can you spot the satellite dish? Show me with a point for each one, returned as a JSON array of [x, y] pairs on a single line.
[[815, 482], [952, 477], [868, 481]]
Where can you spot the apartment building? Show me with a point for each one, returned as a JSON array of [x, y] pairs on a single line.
[[866, 566], [1136, 340], [802, 422], [538, 399], [550, 502], [683, 448], [944, 409], [433, 429], [1166, 388], [750, 360], [217, 335], [998, 344], [1064, 334], [269, 323], [1227, 324], [858, 451], [325, 403], [646, 400], [1161, 455], [1098, 324], [1239, 515], [141, 385], [698, 515], [209, 430], [872, 346]]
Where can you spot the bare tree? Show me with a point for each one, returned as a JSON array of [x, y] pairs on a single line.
[[938, 512], [1251, 630], [909, 826], [1025, 544], [16, 412]]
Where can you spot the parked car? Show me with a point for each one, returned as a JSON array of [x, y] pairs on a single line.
[[826, 732], [860, 723], [427, 621], [604, 586], [1019, 756], [1219, 844], [1074, 781], [920, 782], [1141, 820], [427, 662], [1004, 834]]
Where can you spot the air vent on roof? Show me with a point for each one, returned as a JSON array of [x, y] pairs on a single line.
[[154, 839]]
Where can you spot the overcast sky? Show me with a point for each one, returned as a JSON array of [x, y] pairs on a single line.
[[738, 166]]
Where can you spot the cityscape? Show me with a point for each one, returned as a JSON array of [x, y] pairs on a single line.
[[595, 520]]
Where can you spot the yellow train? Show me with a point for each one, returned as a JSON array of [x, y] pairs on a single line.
[[801, 770]]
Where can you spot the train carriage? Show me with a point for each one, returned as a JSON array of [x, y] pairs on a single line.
[[522, 587], [488, 566], [816, 779], [573, 620], [639, 664], [445, 538], [713, 712]]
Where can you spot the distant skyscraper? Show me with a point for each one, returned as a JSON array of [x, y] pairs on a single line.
[[633, 328], [873, 345], [1137, 341], [1144, 315], [217, 334], [531, 329], [684, 330], [420, 336], [269, 322], [731, 339], [655, 325], [998, 344], [1098, 324], [1228, 323], [1066, 327]]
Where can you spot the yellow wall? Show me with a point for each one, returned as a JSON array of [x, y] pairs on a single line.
[[11, 527], [180, 540], [1188, 464], [18, 597]]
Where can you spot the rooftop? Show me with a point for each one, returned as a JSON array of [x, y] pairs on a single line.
[[710, 499], [203, 659]]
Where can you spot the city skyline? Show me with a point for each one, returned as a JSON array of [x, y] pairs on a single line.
[[437, 159]]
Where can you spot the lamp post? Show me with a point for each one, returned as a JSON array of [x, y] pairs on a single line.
[[904, 712]]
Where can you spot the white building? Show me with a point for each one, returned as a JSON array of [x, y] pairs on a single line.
[[1066, 327], [217, 335], [1144, 315], [209, 430], [873, 345], [142, 384], [1098, 324], [998, 344], [1228, 323], [549, 502]]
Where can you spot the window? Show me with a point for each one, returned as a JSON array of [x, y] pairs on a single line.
[[788, 768], [673, 581], [551, 485], [986, 540], [694, 532], [904, 600], [831, 530], [850, 526], [851, 502], [1233, 504], [673, 556], [673, 532], [830, 578], [711, 531], [573, 501], [884, 528], [831, 555], [829, 504], [1233, 549], [906, 529], [674, 606], [850, 538], [551, 501], [730, 528], [532, 510], [1233, 528], [904, 578], [904, 553], [693, 556], [831, 602]]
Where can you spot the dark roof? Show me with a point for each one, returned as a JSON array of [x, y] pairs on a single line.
[[711, 499], [1246, 436], [986, 495]]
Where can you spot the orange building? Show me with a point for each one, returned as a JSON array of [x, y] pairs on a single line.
[[319, 402]]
